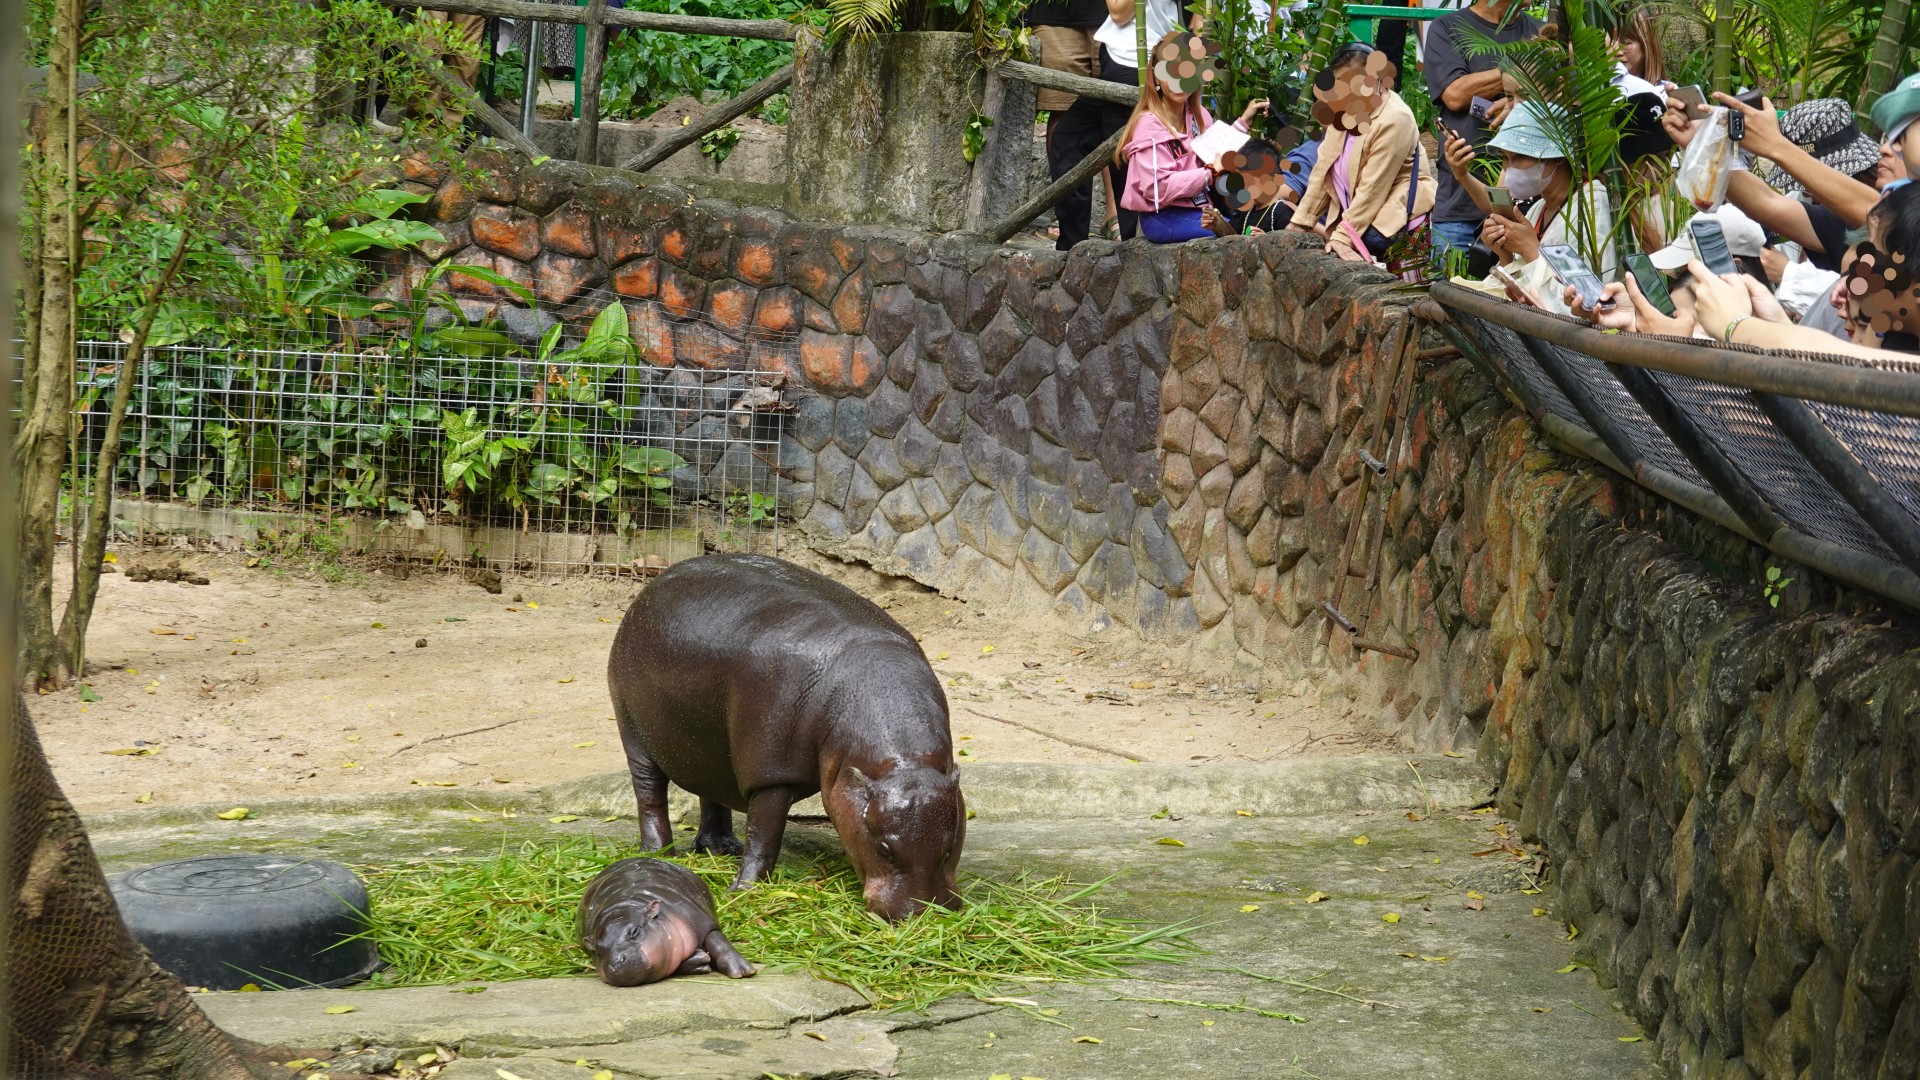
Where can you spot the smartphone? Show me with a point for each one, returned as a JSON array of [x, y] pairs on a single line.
[[1751, 99], [1502, 201], [1515, 291], [1695, 100], [1440, 132], [1480, 108], [1711, 245], [1570, 269], [1653, 283]]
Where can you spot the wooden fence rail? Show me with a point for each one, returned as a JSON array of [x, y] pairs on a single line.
[[762, 29]]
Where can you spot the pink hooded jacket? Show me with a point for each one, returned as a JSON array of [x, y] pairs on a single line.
[[1163, 169]]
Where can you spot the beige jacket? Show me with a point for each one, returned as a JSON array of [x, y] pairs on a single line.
[[1383, 169]]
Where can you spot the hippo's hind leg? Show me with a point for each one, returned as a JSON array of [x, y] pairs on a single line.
[[716, 830], [766, 827], [649, 793], [724, 958]]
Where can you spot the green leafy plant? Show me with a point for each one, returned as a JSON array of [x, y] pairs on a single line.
[[973, 138], [719, 143], [1775, 587], [645, 69]]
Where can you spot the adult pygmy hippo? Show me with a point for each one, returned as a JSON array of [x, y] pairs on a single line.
[[645, 919], [753, 684]]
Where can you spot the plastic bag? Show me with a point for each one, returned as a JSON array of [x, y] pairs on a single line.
[[1707, 165]]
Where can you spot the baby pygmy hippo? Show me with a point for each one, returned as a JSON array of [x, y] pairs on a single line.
[[643, 920]]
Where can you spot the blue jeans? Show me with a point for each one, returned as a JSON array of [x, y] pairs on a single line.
[[1448, 235], [1175, 224]]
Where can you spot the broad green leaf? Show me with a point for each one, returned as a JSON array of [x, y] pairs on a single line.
[[651, 460], [476, 341], [488, 275], [385, 202]]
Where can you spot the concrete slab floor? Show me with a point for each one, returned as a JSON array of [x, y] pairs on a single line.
[[1443, 992]]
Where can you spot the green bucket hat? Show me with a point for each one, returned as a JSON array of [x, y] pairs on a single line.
[[1527, 131], [1897, 108]]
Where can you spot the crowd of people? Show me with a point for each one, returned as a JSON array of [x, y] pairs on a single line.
[[1799, 238]]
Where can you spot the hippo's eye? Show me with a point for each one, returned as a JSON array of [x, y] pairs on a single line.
[[886, 851]]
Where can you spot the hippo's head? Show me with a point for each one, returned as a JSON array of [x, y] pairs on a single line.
[[633, 943], [903, 828]]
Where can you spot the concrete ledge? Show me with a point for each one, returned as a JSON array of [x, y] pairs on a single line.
[[1299, 787]]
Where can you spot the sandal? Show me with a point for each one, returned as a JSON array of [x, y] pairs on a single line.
[[1111, 230]]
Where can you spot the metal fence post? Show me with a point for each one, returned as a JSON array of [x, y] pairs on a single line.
[[1839, 468], [1720, 472], [530, 83]]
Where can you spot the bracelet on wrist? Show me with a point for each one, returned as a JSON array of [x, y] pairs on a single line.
[[1727, 334]]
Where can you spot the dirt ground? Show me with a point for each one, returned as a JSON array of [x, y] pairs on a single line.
[[279, 681]]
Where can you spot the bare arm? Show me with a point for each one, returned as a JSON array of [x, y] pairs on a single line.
[[1830, 187], [1775, 212], [1460, 92]]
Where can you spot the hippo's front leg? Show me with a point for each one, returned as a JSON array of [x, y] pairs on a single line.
[[766, 826], [724, 958]]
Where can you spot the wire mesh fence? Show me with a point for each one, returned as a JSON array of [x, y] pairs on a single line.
[[481, 444], [1881, 446]]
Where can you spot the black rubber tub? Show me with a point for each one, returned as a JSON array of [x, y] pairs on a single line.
[[223, 921]]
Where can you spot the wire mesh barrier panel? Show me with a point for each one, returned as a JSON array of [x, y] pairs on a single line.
[[516, 457], [1885, 445]]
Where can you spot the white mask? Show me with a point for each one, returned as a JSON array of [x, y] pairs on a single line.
[[1527, 183]]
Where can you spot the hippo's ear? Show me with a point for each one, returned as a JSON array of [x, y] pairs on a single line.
[[653, 911]]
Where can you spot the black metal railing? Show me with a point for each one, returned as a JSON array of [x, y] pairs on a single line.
[[1815, 457]]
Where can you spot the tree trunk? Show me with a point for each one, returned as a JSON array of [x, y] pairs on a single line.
[[71, 648], [1886, 61], [83, 997], [48, 414]]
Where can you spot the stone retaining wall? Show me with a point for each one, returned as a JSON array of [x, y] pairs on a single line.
[[1167, 439]]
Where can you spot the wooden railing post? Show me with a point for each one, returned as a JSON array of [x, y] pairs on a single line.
[[589, 70], [673, 142]]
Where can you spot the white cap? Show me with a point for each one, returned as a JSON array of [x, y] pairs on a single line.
[[1744, 237]]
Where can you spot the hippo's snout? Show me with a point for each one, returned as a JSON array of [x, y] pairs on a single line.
[[894, 899]]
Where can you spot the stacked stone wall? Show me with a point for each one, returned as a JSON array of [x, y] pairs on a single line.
[[1167, 438]]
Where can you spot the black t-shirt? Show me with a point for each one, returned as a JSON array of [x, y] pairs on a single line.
[[1832, 234], [1447, 61], [1087, 13]]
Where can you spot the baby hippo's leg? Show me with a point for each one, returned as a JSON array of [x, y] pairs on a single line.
[[726, 959], [697, 964]]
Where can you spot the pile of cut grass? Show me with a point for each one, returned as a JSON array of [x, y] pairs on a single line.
[[512, 916]]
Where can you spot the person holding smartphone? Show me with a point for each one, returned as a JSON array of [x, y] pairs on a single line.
[[1536, 174], [1455, 79]]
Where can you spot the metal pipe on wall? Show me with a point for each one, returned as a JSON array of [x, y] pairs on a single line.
[[530, 82]]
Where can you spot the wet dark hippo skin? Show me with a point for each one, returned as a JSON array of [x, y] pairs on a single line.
[[754, 683], [643, 920]]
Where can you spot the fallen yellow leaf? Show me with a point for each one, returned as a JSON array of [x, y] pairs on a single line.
[[1088, 1039], [336, 1010], [1471, 895], [379, 626], [1140, 684], [1437, 959], [603, 1074], [110, 557], [1249, 907], [1362, 841], [1170, 842], [426, 1059], [133, 751], [349, 764], [249, 988], [163, 631], [1316, 897], [1390, 917], [562, 819], [942, 656], [1243, 813], [986, 650], [505, 1075], [1572, 931], [1206, 1023], [1629, 1038], [583, 745], [145, 797], [531, 606], [568, 679], [1539, 912], [353, 738], [814, 1035], [1539, 1009], [235, 814]]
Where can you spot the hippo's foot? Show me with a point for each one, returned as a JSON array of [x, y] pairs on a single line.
[[717, 845]]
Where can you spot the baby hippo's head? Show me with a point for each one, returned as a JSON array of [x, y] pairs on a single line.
[[903, 829], [634, 942]]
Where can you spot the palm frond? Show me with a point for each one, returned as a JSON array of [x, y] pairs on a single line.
[[860, 19]]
